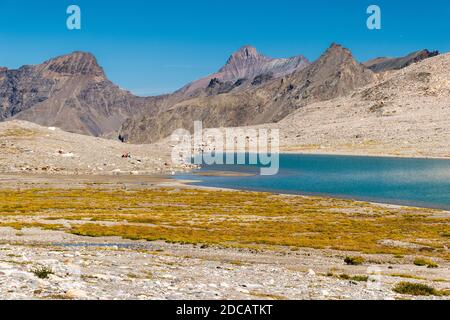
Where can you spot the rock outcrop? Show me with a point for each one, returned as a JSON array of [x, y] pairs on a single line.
[[387, 64]]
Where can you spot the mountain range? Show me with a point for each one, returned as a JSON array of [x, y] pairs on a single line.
[[70, 92], [73, 93], [245, 66]]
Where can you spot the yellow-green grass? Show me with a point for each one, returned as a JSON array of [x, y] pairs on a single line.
[[42, 272], [425, 262], [354, 261], [418, 289], [343, 276], [17, 132], [267, 296], [229, 218], [24, 225]]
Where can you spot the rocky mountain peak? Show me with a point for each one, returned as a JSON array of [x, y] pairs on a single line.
[[246, 64], [337, 51], [335, 73], [246, 51], [337, 60], [245, 56], [76, 63]]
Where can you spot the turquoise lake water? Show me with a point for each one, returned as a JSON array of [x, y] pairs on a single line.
[[415, 182]]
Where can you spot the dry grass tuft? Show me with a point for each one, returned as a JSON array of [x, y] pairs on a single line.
[[418, 289]]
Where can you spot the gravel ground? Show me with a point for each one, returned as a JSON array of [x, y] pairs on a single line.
[[29, 148]]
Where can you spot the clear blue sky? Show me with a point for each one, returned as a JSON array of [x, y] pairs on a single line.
[[151, 47]]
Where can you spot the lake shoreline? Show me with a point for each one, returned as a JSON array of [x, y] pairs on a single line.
[[414, 182], [162, 181], [362, 154], [191, 184]]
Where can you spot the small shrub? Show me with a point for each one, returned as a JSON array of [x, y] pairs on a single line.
[[354, 261], [444, 293], [406, 276], [415, 289], [425, 262], [354, 278], [360, 278], [42, 272]]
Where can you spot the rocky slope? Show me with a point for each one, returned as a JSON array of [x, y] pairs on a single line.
[[407, 113], [334, 74], [29, 148], [387, 64], [404, 113], [112, 268], [70, 92]]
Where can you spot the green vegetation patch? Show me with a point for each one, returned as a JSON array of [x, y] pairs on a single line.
[[229, 218], [418, 289], [354, 261], [425, 262], [42, 272], [17, 133]]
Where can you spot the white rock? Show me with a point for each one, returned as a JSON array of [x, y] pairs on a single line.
[[67, 155], [252, 286], [325, 293], [104, 277], [76, 294], [311, 272], [242, 290]]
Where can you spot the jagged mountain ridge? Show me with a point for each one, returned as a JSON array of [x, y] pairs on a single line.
[[244, 66], [334, 74], [72, 92], [387, 64]]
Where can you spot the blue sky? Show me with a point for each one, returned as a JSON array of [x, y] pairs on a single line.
[[152, 47]]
